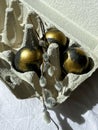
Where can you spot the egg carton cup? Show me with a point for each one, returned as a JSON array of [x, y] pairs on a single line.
[[18, 21]]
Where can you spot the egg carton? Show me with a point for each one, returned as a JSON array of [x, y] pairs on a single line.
[[18, 21]]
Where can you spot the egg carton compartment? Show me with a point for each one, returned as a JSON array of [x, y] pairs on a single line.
[[22, 27]]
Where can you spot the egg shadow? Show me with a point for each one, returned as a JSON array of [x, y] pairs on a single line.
[[80, 101]]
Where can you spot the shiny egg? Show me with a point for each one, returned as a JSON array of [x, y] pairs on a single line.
[[75, 60], [54, 35], [28, 59]]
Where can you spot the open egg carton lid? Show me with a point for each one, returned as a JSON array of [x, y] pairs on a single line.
[[16, 32]]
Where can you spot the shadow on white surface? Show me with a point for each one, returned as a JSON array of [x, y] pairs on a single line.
[[77, 110]]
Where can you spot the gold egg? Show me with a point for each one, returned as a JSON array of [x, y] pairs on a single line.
[[28, 59], [54, 35], [75, 60]]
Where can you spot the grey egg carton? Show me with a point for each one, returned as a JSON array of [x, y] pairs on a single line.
[[17, 24]]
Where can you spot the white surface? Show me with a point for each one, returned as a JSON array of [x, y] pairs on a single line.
[[79, 112]]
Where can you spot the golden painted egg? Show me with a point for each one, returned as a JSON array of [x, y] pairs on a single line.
[[54, 35], [28, 59], [75, 60]]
